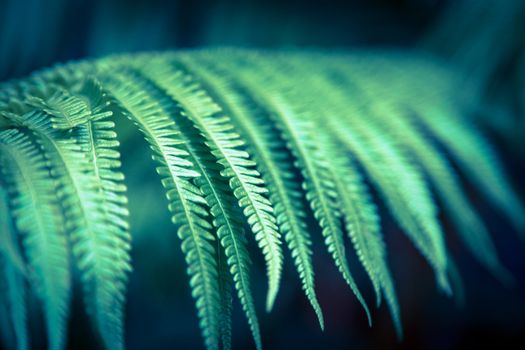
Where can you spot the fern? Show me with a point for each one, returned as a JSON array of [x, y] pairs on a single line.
[[271, 162], [224, 142], [83, 168], [14, 293], [247, 146], [12, 281], [37, 216], [363, 228], [186, 200], [319, 185]]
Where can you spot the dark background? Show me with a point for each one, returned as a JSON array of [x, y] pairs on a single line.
[[160, 311], [36, 33]]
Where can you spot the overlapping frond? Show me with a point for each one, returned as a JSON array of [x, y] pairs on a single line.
[[282, 145], [84, 168], [186, 201], [9, 246], [398, 180], [465, 143], [272, 161], [443, 177], [12, 282], [37, 216], [227, 146], [363, 227], [297, 128], [13, 290]]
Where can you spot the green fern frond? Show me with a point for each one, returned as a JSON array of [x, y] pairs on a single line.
[[105, 284], [363, 227], [12, 281], [279, 144], [464, 141], [226, 145], [8, 237], [443, 176], [271, 161], [398, 121], [186, 202], [398, 180], [297, 130], [65, 111], [37, 216], [476, 157], [225, 291], [99, 234]]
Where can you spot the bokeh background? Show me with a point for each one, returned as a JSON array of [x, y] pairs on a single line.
[[485, 39]]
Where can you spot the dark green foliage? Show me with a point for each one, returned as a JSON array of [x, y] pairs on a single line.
[[269, 147]]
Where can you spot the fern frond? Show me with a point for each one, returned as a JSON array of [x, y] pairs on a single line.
[[475, 157], [12, 285], [104, 280], [8, 237], [362, 223], [438, 169], [230, 232], [94, 207], [465, 143], [225, 144], [225, 291], [404, 191], [222, 204], [262, 142], [399, 181], [442, 175], [65, 111], [15, 304], [226, 216], [297, 128], [268, 152], [37, 216], [186, 202]]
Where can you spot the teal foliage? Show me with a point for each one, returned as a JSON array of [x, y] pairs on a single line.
[[268, 147]]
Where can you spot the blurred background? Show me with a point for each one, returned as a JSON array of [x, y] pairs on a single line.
[[484, 39]]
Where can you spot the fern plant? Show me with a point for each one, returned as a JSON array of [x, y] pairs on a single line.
[[248, 146]]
